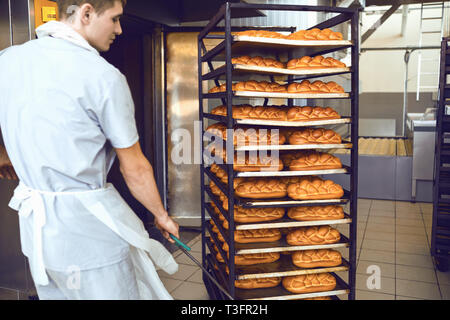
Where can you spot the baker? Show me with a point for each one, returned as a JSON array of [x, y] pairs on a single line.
[[65, 113]]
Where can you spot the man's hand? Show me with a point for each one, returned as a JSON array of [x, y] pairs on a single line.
[[6, 169], [167, 226]]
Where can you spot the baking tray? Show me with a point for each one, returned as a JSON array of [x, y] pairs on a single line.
[[256, 122], [275, 293], [284, 173], [288, 202], [284, 222], [243, 68], [283, 95], [281, 268], [344, 145], [282, 245]]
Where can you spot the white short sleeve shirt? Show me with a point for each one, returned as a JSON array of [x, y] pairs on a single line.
[[62, 111]]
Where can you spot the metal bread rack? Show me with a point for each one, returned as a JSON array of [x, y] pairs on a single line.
[[229, 46]]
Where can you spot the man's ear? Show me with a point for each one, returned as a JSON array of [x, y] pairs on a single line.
[[86, 12]]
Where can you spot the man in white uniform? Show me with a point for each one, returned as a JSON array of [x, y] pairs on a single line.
[[64, 115]]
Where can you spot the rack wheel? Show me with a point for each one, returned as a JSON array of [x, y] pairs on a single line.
[[441, 264]]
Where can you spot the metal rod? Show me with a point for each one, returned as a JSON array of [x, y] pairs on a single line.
[[400, 48], [354, 152]]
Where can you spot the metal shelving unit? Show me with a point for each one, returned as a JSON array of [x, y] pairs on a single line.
[[440, 240], [230, 46]]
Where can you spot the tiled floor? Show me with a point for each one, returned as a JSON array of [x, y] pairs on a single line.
[[393, 237]]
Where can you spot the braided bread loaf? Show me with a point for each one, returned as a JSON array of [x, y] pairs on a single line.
[[257, 235], [315, 213], [314, 188], [316, 87], [248, 136], [260, 86], [315, 34], [311, 160], [253, 112], [308, 283], [250, 215], [258, 61], [253, 258], [257, 283], [318, 62], [260, 33], [261, 188], [316, 235], [316, 258], [312, 136], [244, 161], [311, 113]]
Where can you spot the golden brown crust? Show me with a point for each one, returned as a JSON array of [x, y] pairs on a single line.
[[314, 188], [253, 112], [260, 33], [311, 113], [315, 34], [316, 213], [260, 86], [317, 62], [262, 188], [250, 215], [258, 61], [316, 87], [257, 235], [316, 258], [310, 160], [313, 136], [316, 235], [309, 283], [258, 283], [247, 135]]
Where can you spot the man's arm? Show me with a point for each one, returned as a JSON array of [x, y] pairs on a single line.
[[6, 168], [138, 174]]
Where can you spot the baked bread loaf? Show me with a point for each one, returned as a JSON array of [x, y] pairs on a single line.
[[311, 114], [258, 61], [254, 163], [309, 283], [253, 112], [310, 160], [257, 283], [316, 87], [260, 33], [317, 235], [313, 136], [314, 188], [251, 215], [261, 188], [245, 161], [253, 258], [317, 62], [316, 213], [316, 258], [260, 86], [315, 34], [247, 135], [257, 235]]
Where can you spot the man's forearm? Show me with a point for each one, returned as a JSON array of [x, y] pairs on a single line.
[[143, 187]]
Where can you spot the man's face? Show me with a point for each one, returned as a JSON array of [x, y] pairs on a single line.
[[104, 28]]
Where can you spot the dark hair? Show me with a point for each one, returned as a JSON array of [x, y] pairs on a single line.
[[66, 10]]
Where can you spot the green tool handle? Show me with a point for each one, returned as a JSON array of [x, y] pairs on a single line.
[[180, 243]]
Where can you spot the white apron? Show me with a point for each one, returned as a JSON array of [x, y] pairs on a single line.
[[108, 206]]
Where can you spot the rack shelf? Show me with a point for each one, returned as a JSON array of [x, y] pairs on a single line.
[[232, 46], [440, 239]]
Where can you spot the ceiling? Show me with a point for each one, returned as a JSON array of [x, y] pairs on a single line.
[[173, 12]]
